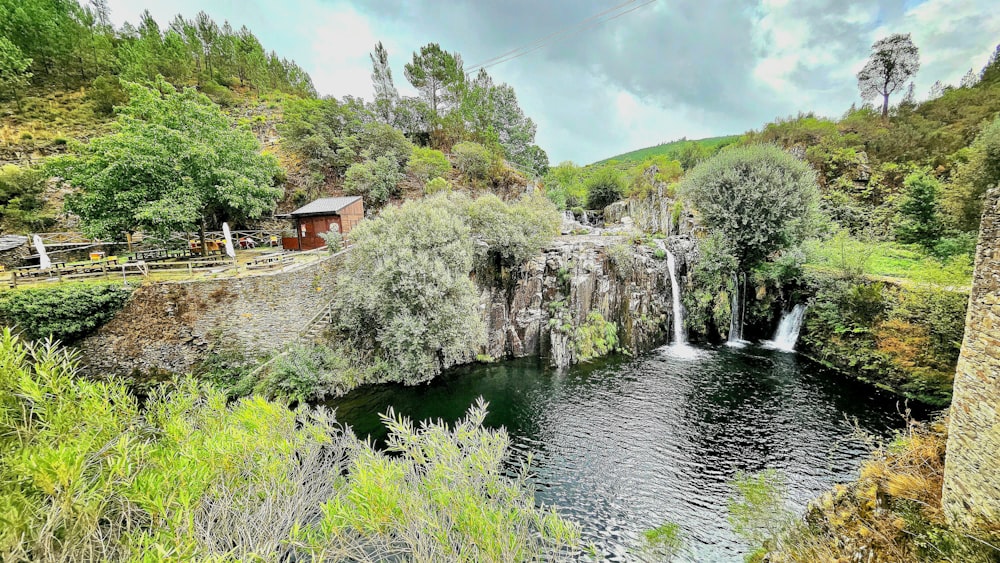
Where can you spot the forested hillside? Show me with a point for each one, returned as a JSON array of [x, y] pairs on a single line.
[[66, 70]]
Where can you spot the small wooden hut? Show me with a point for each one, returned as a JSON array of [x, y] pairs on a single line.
[[322, 216]]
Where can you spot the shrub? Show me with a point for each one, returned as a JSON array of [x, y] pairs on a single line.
[[472, 159], [919, 217], [376, 181], [512, 233], [437, 185], [87, 474], [604, 187], [377, 140], [106, 93], [218, 93], [758, 197], [311, 373], [595, 338], [22, 198], [404, 289], [426, 163], [67, 312]]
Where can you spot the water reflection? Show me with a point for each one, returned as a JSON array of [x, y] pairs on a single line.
[[624, 445]]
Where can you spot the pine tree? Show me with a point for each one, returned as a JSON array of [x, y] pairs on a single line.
[[386, 95]]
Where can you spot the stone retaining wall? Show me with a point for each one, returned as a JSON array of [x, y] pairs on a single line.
[[170, 326], [971, 495]]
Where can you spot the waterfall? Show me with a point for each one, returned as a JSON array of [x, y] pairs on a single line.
[[568, 216], [584, 220], [679, 347], [736, 308], [675, 294], [788, 329]]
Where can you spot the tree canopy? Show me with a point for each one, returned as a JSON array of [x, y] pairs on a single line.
[[893, 61], [174, 163], [758, 197]]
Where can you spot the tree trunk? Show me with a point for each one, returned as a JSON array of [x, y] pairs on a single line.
[[885, 106]]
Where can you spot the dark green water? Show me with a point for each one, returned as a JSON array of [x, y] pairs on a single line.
[[625, 445]]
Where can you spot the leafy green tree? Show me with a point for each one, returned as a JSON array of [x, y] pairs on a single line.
[[420, 254], [375, 180], [174, 163], [920, 215], [604, 187], [893, 61], [14, 66], [433, 71], [964, 201], [511, 234], [759, 197], [107, 92]]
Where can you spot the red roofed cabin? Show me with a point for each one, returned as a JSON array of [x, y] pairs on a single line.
[[322, 216]]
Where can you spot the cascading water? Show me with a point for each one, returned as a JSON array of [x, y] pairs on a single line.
[[787, 333], [736, 308], [679, 347]]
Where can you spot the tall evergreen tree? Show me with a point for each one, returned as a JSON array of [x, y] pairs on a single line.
[[386, 95], [435, 72]]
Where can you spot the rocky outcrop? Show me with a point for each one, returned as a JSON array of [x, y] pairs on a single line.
[[541, 309], [656, 213]]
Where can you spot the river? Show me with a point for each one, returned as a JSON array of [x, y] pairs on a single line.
[[626, 444]]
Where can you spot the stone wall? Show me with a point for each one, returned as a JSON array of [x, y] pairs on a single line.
[[971, 495], [171, 326]]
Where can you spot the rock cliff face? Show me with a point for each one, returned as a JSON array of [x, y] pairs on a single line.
[[541, 309], [657, 213]]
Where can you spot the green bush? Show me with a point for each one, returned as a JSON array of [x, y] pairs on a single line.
[[66, 312], [22, 199], [427, 163], [376, 181], [759, 197], [472, 159], [87, 474], [604, 187], [311, 373], [595, 338], [512, 233], [437, 185], [404, 289], [377, 140], [218, 93], [106, 93]]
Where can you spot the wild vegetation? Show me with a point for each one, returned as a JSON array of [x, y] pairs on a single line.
[[891, 513], [87, 473]]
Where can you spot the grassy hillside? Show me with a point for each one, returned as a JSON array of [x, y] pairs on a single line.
[[673, 149]]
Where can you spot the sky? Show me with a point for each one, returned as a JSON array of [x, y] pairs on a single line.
[[666, 70]]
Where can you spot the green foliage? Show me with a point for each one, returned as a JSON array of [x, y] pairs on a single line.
[[564, 186], [663, 542], [14, 72], [920, 217], [595, 338], [757, 509], [707, 304], [87, 474], [511, 233], [107, 92], [174, 163], [689, 153], [66, 312], [434, 71], [472, 159], [376, 181], [324, 133], [312, 373], [847, 256], [904, 340], [22, 199], [420, 254], [758, 197], [964, 200], [427, 163], [437, 185], [604, 187]]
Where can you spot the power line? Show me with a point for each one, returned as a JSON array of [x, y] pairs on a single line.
[[554, 33], [560, 35]]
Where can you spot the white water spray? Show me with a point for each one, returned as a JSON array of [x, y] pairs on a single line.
[[787, 333], [736, 308], [679, 347]]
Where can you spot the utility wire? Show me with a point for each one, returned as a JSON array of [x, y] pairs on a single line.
[[560, 35], [559, 31]]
